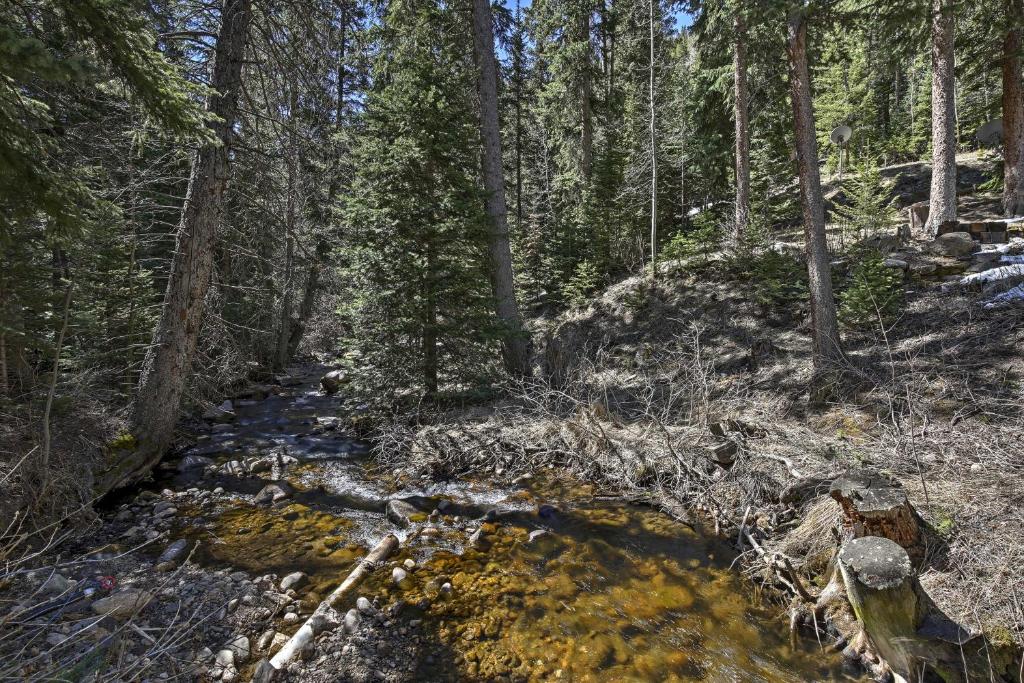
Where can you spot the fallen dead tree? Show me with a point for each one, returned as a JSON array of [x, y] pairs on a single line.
[[323, 618]]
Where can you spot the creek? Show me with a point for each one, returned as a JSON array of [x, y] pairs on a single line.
[[556, 584]]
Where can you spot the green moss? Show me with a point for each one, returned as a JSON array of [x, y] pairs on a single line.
[[123, 441]]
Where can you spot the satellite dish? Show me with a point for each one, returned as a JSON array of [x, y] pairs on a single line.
[[841, 135], [990, 134]]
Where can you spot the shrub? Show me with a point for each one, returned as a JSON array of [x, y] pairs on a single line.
[[582, 284], [873, 292]]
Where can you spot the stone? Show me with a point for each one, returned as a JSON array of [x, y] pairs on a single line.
[[399, 512], [225, 658], [364, 605], [954, 244], [535, 534], [351, 621], [230, 675], [291, 618], [175, 552], [225, 412], [276, 643], [333, 381], [294, 580], [896, 263], [272, 493], [239, 645], [55, 584], [546, 511], [194, 462], [122, 605], [409, 564], [265, 639], [55, 639], [398, 575]]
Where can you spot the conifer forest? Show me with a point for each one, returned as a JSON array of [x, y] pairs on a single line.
[[522, 341]]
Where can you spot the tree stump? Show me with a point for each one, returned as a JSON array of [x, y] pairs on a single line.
[[918, 216], [876, 505], [882, 589]]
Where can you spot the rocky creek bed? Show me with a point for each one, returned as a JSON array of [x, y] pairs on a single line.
[[246, 531]]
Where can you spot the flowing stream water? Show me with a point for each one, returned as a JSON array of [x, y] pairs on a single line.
[[601, 590]]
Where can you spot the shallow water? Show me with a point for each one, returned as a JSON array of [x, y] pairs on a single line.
[[610, 592]]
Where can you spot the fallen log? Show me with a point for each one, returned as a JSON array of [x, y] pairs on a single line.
[[321, 620]]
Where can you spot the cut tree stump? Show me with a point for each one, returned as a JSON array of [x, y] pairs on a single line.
[[902, 624], [876, 505], [917, 215], [882, 589]]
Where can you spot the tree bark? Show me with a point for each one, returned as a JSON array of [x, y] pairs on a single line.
[[168, 361], [1013, 112], [828, 351], [876, 505], [502, 279], [292, 164], [942, 209], [654, 146], [742, 116]]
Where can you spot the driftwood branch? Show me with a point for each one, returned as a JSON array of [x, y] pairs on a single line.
[[320, 621]]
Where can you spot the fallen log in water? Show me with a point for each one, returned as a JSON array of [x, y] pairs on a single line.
[[320, 620]]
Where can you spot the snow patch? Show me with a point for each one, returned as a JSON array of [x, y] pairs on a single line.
[[1006, 298]]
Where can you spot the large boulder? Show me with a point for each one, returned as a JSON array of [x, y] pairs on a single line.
[[954, 244], [333, 381]]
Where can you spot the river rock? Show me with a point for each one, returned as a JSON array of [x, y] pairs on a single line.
[[174, 553], [400, 512], [225, 412], [272, 493], [293, 580], [225, 658], [55, 584], [954, 244], [398, 575], [230, 675], [535, 534], [122, 605], [546, 511], [276, 643], [333, 381], [364, 605], [239, 646], [351, 621], [194, 462]]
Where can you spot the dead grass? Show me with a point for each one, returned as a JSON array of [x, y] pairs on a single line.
[[636, 380]]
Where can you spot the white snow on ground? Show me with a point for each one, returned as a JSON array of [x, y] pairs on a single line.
[[1006, 298], [993, 275]]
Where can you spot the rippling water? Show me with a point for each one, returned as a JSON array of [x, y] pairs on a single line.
[[609, 592]]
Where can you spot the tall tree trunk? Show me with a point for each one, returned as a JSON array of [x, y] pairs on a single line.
[[654, 146], [825, 328], [292, 163], [942, 203], [1013, 112], [168, 361], [430, 370], [502, 279], [742, 127], [308, 297]]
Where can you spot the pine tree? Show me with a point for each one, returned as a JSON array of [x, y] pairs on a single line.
[[420, 306]]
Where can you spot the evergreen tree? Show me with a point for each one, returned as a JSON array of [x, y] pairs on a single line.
[[420, 306]]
